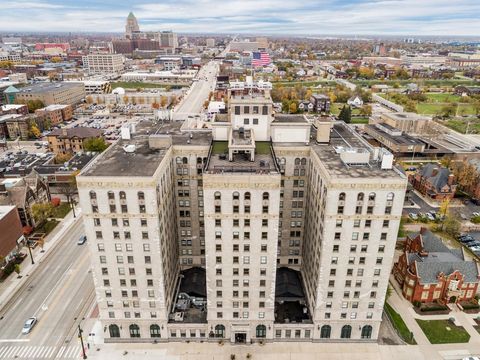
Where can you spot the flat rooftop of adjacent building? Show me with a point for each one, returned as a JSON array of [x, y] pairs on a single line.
[[144, 160], [5, 209], [343, 137], [263, 161], [48, 86], [290, 118], [405, 116], [403, 139]]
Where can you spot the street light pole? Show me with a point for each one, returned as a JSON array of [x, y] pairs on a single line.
[[80, 332], [30, 251]]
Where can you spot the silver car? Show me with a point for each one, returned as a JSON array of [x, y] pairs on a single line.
[[29, 324]]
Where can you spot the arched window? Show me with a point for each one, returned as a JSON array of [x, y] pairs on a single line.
[[134, 331], [283, 161], [236, 195], [360, 196], [304, 161], [297, 161], [178, 160], [366, 332], [390, 196], [141, 195], [220, 331], [122, 195], [325, 332], [217, 195], [346, 332], [199, 160], [110, 195], [154, 330], [93, 195], [184, 160], [114, 331], [371, 196], [341, 196], [261, 331], [246, 196], [265, 196]]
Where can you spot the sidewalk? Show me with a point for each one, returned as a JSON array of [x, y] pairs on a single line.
[[409, 316], [10, 285]]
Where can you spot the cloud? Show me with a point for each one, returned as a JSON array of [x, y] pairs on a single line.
[[422, 17]]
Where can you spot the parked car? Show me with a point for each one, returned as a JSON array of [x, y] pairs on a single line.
[[475, 248], [413, 216], [82, 240], [430, 217], [475, 214], [29, 324]]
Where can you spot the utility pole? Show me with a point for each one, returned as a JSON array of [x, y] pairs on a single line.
[[30, 251], [80, 332]]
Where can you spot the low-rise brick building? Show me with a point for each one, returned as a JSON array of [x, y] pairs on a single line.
[[63, 141], [435, 182], [11, 234], [56, 114], [429, 271]]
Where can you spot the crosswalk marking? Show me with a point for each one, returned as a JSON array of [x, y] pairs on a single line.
[[27, 352]]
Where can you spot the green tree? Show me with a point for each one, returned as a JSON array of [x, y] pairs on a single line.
[[34, 105], [41, 212], [449, 110], [97, 144], [292, 108], [451, 225], [366, 110], [17, 269], [345, 114]]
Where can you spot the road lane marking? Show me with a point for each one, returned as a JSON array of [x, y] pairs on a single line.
[[23, 351], [14, 340], [31, 351], [3, 351], [62, 349], [50, 352], [35, 353]]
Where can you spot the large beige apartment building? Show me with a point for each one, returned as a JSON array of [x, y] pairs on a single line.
[[51, 93], [103, 63], [253, 227]]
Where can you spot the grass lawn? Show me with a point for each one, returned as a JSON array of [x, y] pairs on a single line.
[[400, 325], [47, 227], [359, 120], [460, 125], [443, 332], [62, 210], [442, 97], [336, 107], [220, 147], [262, 147]]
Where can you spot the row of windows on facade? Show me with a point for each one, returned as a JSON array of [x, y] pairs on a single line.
[[363, 249], [121, 271], [245, 259], [134, 293], [119, 247], [347, 293], [122, 195], [236, 235], [125, 222], [120, 259], [255, 109], [352, 260], [236, 248], [361, 196], [123, 208], [236, 271], [116, 235], [358, 222], [260, 332]]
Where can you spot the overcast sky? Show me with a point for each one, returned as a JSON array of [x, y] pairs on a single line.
[[383, 17]]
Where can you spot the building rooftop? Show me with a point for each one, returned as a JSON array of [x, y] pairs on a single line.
[[48, 86], [80, 132], [403, 139], [342, 138], [135, 157], [5, 209], [290, 118]]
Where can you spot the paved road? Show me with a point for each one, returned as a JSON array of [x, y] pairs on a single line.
[[193, 101], [58, 291]]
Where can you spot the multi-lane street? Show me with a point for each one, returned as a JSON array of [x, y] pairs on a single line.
[[59, 292], [193, 101]]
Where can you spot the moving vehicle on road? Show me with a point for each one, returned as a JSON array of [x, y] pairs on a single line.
[[29, 324], [82, 240]]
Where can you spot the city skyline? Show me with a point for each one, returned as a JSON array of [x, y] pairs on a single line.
[[402, 17]]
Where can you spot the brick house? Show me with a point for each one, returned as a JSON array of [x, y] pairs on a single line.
[[434, 181], [63, 141], [429, 271]]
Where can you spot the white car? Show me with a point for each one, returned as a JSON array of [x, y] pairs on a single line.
[[29, 324]]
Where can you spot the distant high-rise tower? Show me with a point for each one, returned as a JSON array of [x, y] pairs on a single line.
[[131, 26]]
